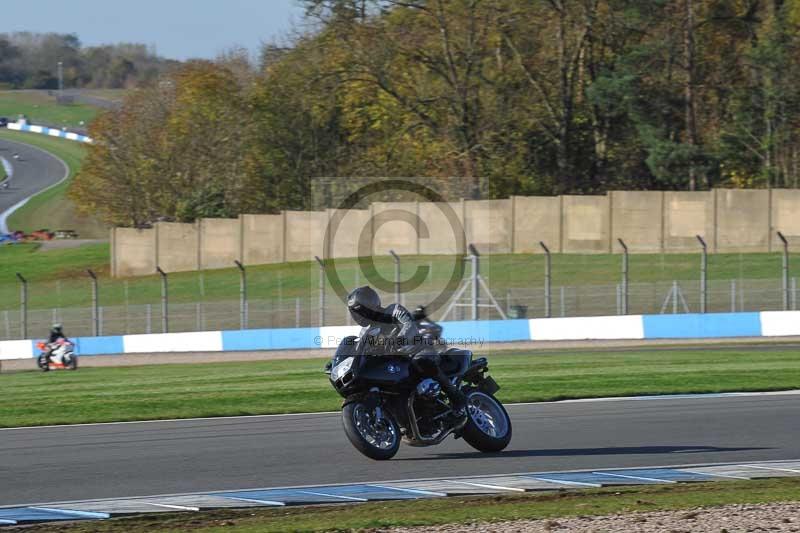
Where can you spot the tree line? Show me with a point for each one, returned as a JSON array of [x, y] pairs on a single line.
[[30, 61], [530, 97]]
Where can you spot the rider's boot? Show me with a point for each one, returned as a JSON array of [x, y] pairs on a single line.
[[458, 400]]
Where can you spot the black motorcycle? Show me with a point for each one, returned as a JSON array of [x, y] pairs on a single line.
[[385, 401]]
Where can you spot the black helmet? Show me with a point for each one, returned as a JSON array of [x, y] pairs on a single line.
[[419, 313], [364, 305], [56, 328]]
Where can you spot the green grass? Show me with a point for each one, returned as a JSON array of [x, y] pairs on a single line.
[[38, 106], [300, 280], [52, 209], [61, 263], [291, 386], [384, 515]]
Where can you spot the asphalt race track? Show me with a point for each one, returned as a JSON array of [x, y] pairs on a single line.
[[34, 171], [139, 459]]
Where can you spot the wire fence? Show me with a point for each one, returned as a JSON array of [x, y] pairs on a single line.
[[673, 296]]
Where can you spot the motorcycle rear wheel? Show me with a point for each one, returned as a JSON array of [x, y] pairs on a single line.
[[488, 427], [378, 439], [73, 363]]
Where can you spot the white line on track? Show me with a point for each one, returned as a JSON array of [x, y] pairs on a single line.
[[176, 507], [773, 468], [411, 491], [640, 478], [715, 474], [534, 475], [565, 482], [711, 396], [486, 486], [254, 500], [328, 495]]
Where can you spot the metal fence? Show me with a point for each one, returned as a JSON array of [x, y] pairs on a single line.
[[302, 294], [674, 296]]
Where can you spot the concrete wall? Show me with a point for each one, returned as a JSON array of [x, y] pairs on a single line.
[[177, 246], [220, 242], [536, 219], [441, 228], [585, 224], [394, 227], [262, 239], [132, 252], [490, 225], [743, 220], [305, 231], [637, 218], [352, 227], [648, 221], [686, 215], [785, 208]]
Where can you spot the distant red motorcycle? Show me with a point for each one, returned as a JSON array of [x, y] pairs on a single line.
[[59, 355]]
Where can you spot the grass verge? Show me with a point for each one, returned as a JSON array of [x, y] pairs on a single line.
[[288, 281], [293, 386], [458, 510], [38, 106], [51, 208]]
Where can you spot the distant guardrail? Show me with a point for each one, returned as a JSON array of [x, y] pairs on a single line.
[[471, 334], [52, 132]]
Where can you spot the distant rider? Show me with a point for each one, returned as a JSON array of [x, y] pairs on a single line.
[[400, 328], [54, 343]]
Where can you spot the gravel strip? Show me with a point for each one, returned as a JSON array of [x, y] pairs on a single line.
[[778, 517]]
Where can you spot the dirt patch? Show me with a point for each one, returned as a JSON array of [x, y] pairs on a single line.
[[780, 517]]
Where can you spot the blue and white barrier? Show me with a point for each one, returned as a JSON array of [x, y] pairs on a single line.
[[465, 333], [53, 132]]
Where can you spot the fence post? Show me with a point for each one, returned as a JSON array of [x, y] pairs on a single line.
[[95, 314], [547, 281], [703, 275], [624, 276], [321, 291], [476, 265], [785, 271], [242, 295], [23, 306], [164, 301], [396, 276]]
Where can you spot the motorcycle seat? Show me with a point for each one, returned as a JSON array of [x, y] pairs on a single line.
[[456, 361]]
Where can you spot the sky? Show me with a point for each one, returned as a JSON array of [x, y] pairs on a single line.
[[179, 29]]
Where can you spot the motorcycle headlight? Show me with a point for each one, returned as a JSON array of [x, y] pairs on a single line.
[[341, 369]]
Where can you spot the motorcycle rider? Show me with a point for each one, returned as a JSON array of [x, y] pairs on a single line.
[[427, 326], [56, 335], [399, 325]]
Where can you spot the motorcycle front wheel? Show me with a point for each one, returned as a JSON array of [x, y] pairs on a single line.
[[488, 427], [376, 437], [43, 363]]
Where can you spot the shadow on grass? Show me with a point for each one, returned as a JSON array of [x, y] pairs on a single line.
[[563, 452]]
